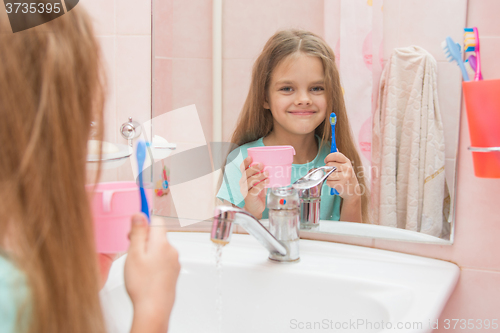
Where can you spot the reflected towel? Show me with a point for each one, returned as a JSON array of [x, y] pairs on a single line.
[[408, 151]]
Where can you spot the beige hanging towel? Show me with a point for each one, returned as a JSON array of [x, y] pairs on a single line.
[[408, 151]]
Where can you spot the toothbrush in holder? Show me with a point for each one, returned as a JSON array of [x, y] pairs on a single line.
[[471, 44], [333, 149], [452, 53], [141, 157]]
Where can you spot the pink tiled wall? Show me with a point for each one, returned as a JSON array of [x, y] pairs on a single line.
[[123, 28], [183, 59]]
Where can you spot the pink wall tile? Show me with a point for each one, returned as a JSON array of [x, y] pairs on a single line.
[[108, 56], [164, 206], [133, 79], [103, 15], [124, 172], [402, 30], [107, 175], [235, 85], [133, 17], [162, 81], [192, 29], [490, 57], [477, 223], [476, 297], [192, 84], [483, 14], [249, 24], [450, 14], [163, 27]]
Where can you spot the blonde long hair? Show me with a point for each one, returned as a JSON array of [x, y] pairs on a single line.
[[51, 88], [255, 121]]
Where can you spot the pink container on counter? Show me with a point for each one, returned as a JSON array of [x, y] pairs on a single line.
[[277, 160], [113, 205]]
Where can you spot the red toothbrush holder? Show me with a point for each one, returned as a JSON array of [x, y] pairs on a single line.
[[482, 102]]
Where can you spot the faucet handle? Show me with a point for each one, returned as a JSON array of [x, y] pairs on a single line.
[[314, 177], [282, 198]]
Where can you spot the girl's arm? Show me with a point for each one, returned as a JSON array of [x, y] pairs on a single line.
[[350, 210], [105, 261]]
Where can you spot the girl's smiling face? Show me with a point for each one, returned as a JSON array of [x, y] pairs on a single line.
[[296, 95]]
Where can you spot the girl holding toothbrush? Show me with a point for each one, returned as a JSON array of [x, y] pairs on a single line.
[[295, 87], [50, 92]]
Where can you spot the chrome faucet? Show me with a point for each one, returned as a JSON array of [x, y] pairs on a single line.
[[222, 228], [282, 238], [309, 190]]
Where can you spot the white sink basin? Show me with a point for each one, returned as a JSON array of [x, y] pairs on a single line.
[[334, 288]]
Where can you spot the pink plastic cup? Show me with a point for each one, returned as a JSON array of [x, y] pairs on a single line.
[[277, 160], [113, 205]]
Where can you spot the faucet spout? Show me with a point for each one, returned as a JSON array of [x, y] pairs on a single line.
[[222, 228]]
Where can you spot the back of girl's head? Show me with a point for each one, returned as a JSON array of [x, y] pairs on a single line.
[[255, 121], [50, 91]]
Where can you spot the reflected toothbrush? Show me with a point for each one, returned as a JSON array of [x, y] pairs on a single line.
[[141, 157], [452, 53], [472, 61], [471, 44], [333, 149]]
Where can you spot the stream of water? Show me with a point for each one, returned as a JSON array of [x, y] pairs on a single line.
[[218, 299]]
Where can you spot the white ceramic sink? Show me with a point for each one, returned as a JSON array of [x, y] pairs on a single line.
[[334, 288]]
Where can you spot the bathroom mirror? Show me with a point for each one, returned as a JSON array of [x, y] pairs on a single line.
[[202, 57]]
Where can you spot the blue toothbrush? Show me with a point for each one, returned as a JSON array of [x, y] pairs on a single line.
[[453, 53], [333, 149], [141, 156]]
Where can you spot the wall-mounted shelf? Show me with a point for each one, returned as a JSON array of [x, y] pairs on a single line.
[[484, 149], [124, 151]]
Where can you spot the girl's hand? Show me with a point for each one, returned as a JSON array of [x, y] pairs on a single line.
[[344, 178], [151, 272], [252, 186]]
